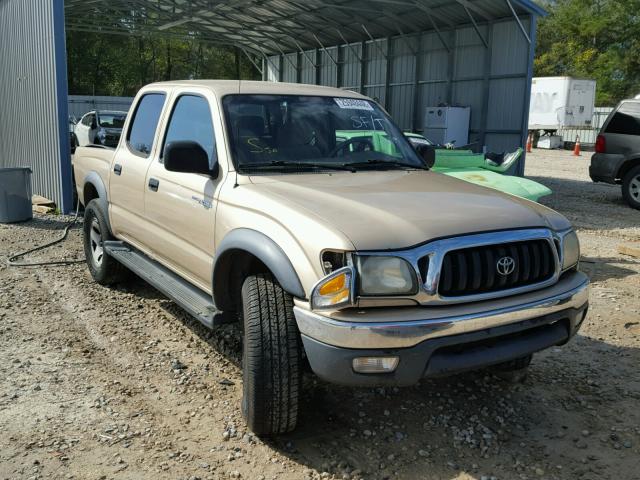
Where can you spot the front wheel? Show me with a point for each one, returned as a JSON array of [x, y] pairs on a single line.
[[631, 187], [271, 357], [104, 269]]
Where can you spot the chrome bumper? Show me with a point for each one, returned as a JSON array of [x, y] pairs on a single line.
[[403, 327]]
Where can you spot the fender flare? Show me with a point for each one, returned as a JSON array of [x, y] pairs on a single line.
[[264, 249], [103, 200], [627, 163]]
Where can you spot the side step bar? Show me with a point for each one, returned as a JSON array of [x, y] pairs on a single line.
[[190, 298]]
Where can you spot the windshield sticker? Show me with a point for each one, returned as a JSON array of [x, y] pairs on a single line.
[[353, 104]]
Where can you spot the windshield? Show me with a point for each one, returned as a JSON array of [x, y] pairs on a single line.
[[112, 120], [280, 132]]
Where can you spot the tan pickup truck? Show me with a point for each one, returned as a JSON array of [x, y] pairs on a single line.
[[240, 201]]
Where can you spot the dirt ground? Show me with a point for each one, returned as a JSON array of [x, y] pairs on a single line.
[[119, 383]]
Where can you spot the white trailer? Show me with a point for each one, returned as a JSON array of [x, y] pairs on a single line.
[[559, 102]]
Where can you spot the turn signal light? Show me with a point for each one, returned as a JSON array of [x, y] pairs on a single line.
[[334, 290], [335, 285]]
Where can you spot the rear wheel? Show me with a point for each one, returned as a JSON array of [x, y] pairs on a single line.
[[514, 371], [271, 357], [631, 187], [104, 269]]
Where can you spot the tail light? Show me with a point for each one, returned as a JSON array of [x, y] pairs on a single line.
[[601, 144]]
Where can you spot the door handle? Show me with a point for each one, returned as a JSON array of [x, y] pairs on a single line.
[[153, 184], [117, 169]]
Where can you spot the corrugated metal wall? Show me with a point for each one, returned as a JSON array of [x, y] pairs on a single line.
[[32, 79], [409, 73]]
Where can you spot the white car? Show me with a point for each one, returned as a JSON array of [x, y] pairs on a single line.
[[100, 127]]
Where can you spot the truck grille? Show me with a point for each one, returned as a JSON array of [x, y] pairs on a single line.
[[493, 268]]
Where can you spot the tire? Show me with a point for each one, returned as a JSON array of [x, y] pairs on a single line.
[[631, 187], [271, 357], [104, 269], [514, 371]]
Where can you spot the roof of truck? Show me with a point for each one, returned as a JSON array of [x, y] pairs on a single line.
[[227, 87]]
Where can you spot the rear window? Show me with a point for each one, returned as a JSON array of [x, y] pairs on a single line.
[[112, 120], [626, 120], [145, 122]]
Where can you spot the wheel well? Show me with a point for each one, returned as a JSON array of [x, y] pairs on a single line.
[[90, 192], [229, 274], [626, 166]]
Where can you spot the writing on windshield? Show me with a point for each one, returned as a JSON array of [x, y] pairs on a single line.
[[288, 130]]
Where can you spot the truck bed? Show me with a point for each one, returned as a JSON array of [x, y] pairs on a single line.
[[92, 158]]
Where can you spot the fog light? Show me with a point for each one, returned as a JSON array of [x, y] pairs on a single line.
[[375, 364]]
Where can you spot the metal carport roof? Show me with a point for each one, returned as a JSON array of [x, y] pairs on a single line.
[[278, 26]]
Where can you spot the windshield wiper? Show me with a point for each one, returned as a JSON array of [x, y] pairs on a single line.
[[385, 163], [291, 163]]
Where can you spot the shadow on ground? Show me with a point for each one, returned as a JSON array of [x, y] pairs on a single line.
[[588, 205], [599, 269], [456, 427]]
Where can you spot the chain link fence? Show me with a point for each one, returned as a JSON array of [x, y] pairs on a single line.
[[587, 135]]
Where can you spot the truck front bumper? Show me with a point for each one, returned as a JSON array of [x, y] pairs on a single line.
[[435, 341]]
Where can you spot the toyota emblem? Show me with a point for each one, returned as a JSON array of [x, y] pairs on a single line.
[[506, 266]]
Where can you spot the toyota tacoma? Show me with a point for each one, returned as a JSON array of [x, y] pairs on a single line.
[[247, 201]]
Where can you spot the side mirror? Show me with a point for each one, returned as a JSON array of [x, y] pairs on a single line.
[[94, 125], [188, 157], [428, 154]]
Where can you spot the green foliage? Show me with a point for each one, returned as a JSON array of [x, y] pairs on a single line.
[[109, 64], [596, 39]]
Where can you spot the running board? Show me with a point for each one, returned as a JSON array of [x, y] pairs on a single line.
[[190, 298]]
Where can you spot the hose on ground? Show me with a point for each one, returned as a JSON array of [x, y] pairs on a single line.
[[12, 261]]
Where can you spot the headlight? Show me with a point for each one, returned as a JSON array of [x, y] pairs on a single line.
[[570, 250], [385, 276], [334, 290]]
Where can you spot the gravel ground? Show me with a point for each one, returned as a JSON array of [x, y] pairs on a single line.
[[119, 383]]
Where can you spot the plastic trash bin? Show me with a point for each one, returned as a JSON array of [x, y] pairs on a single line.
[[15, 195]]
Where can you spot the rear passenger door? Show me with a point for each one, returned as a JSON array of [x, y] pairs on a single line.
[[129, 170], [181, 207]]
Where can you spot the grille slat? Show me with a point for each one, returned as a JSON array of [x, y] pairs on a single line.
[[513, 253], [526, 263], [446, 277], [490, 271], [462, 271], [474, 270], [535, 261], [544, 264]]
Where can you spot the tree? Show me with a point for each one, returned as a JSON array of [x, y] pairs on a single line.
[[119, 65], [596, 39]]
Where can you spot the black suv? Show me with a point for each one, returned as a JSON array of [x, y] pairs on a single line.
[[617, 157]]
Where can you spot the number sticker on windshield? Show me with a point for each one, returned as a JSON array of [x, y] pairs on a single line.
[[353, 104]]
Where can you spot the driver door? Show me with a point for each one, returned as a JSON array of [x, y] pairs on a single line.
[[181, 207]]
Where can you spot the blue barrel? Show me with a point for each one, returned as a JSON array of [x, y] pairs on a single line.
[[15, 195]]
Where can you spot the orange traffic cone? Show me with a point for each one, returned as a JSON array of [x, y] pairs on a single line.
[[576, 149], [529, 143]]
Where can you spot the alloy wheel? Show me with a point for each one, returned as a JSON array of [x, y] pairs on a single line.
[[95, 237]]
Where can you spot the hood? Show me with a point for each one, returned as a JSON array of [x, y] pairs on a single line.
[[383, 210]]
